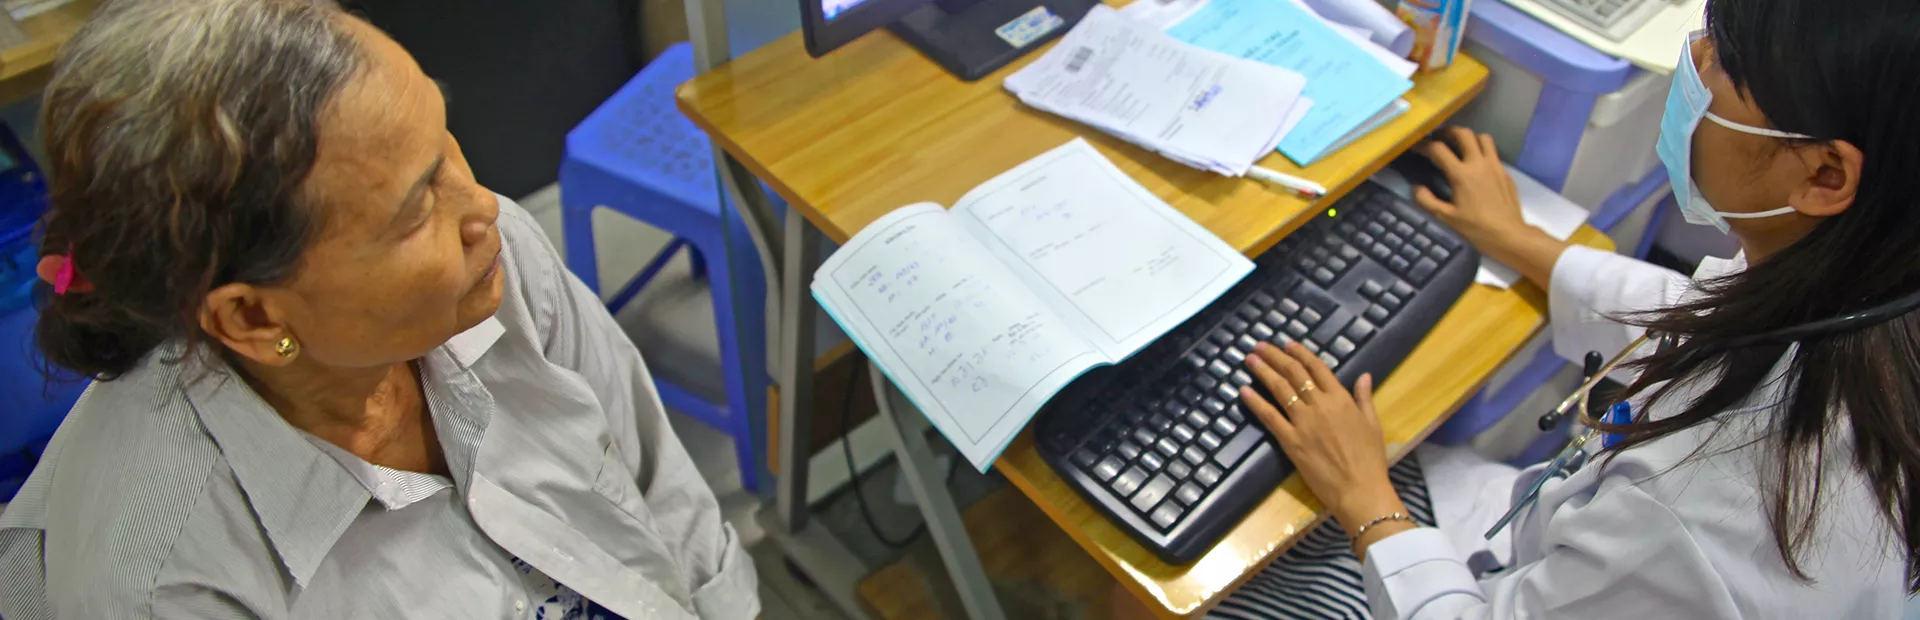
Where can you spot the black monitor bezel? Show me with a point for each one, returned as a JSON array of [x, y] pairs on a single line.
[[823, 35]]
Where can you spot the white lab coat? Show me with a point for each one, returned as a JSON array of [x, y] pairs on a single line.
[[1651, 535]]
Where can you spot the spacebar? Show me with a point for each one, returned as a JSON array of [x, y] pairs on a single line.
[[1242, 443]]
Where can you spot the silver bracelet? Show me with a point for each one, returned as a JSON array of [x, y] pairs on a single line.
[[1398, 516]]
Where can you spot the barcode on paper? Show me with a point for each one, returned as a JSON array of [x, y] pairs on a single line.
[[1079, 59]]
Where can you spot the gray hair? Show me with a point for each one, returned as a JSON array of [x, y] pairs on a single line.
[[179, 133]]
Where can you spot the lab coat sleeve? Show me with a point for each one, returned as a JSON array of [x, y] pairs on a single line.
[[1591, 288], [1621, 555], [577, 333]]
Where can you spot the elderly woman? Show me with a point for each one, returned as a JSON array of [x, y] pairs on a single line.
[[337, 378]]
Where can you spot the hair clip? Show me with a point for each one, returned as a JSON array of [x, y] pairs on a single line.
[[57, 269]]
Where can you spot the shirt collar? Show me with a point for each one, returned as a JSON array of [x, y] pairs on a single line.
[[303, 497], [1711, 267]]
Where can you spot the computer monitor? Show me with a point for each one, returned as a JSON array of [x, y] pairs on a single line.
[[970, 38]]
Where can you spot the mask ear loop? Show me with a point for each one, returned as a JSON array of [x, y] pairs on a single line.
[[1758, 131]]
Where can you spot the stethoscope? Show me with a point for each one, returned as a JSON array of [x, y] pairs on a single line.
[[1576, 453]]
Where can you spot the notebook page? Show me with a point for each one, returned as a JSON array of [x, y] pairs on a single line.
[[960, 335], [1120, 264]]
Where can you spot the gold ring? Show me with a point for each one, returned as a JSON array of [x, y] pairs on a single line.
[[1290, 402], [1307, 387]]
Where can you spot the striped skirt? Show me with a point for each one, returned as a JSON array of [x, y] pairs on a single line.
[[1319, 578]]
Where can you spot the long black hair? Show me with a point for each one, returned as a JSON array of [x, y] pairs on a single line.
[[1836, 71]]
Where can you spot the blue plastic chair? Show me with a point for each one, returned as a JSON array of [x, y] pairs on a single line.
[[637, 155], [32, 408]]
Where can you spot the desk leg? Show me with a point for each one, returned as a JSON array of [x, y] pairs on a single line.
[[797, 314], [907, 431]]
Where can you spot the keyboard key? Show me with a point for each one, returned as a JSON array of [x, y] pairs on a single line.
[[1207, 349], [1219, 369], [1208, 441], [1409, 252], [1346, 228], [1244, 343], [1375, 229], [1320, 253], [1398, 265], [1171, 407], [1273, 319], [1403, 229], [1166, 448], [1305, 264], [1189, 396], [1341, 347], [1333, 363], [1226, 392], [1128, 482], [1371, 289], [1289, 307], [1193, 362], [1423, 270], [1376, 313], [1205, 382], [1248, 312], [1310, 316], [1182, 433], [1379, 252], [1337, 264], [1151, 493], [1348, 253], [1237, 447], [1393, 240], [1401, 290], [1194, 455], [1442, 236], [1207, 475], [1233, 357], [1144, 436], [1166, 516], [1237, 413], [1316, 299], [1198, 419], [1439, 253], [1179, 470], [1391, 301], [1210, 406], [1262, 299], [1260, 331], [1239, 378], [1159, 424], [1151, 461], [1364, 240], [1223, 426], [1324, 275], [1128, 450], [1311, 346], [1189, 494], [1421, 241], [1235, 325], [1107, 469], [1220, 337], [1297, 329], [1084, 458]]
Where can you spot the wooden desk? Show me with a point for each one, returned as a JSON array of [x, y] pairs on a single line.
[[875, 126], [26, 67]]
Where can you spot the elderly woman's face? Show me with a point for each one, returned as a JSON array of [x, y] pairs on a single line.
[[408, 255]]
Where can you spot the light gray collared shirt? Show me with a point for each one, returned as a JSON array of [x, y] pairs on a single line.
[[175, 492]]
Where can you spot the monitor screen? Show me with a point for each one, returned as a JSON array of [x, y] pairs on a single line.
[[833, 8]]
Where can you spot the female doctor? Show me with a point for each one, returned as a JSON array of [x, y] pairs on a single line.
[[1772, 465]]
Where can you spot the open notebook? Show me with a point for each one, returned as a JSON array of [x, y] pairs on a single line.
[[981, 313]]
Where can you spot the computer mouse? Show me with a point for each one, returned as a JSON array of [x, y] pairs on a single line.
[[1421, 171]]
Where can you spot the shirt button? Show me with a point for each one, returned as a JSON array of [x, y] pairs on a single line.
[[519, 607]]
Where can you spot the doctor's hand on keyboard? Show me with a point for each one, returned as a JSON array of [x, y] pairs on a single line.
[[1332, 435], [1485, 205]]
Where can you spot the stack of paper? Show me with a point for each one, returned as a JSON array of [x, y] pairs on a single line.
[[1206, 109], [1349, 51]]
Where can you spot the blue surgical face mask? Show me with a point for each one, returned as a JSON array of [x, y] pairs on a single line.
[[1686, 105]]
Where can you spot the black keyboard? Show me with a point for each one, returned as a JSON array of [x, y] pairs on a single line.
[[1161, 442]]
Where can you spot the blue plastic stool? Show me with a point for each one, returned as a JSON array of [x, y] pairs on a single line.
[[638, 156]]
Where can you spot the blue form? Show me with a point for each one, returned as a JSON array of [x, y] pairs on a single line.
[[1345, 83]]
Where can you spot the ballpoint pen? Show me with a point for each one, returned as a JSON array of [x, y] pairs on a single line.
[[1296, 185]]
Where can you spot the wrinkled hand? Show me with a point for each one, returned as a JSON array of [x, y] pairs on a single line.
[[1486, 205], [1332, 436]]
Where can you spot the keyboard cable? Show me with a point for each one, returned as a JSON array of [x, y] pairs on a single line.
[[853, 473]]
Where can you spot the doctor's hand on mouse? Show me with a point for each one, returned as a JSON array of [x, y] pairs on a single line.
[[1332, 436], [1485, 206]]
